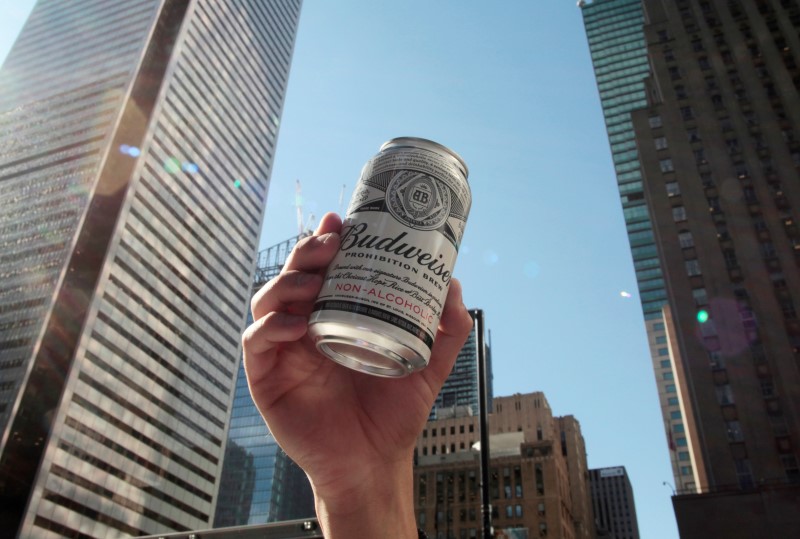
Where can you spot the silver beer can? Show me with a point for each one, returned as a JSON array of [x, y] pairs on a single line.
[[383, 293]]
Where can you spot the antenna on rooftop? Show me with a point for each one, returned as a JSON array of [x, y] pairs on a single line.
[[341, 199]]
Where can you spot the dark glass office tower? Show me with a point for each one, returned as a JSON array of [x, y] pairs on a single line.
[[613, 503], [461, 387], [136, 142], [719, 145], [246, 491], [615, 32]]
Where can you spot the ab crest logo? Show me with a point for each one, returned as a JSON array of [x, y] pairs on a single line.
[[418, 200]]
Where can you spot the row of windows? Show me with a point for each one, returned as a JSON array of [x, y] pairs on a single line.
[[159, 357], [84, 510], [443, 430], [105, 391], [263, 85], [126, 476], [174, 243], [175, 309], [255, 135], [159, 403], [126, 428], [142, 249], [131, 456], [189, 399], [156, 335], [196, 142]]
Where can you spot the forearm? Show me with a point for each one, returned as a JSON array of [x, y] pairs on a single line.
[[380, 504]]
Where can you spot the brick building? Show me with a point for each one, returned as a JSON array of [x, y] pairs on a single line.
[[538, 481]]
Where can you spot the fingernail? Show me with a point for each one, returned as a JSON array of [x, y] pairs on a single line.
[[325, 238]]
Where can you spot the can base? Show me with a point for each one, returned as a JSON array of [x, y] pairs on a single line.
[[380, 355]]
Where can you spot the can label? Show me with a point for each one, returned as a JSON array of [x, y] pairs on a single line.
[[399, 242]]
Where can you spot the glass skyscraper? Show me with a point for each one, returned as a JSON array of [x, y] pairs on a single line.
[[461, 387], [136, 143], [251, 454], [615, 32]]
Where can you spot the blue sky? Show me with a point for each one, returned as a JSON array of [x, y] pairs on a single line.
[[509, 86]]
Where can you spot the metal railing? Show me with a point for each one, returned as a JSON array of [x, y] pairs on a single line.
[[271, 260]]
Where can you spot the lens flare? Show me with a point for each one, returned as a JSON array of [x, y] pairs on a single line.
[[172, 165], [191, 168], [237, 184], [702, 316], [625, 294], [531, 269], [132, 151]]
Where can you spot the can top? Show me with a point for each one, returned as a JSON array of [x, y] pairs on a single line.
[[425, 144]]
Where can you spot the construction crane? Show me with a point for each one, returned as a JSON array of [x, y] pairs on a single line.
[[303, 226]]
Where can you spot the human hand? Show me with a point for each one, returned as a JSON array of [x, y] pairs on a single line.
[[352, 433]]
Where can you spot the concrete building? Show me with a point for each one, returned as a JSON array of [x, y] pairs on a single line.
[[613, 504], [719, 150], [136, 143], [615, 33], [719, 144], [538, 479]]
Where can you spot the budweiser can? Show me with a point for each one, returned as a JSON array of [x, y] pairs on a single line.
[[383, 293]]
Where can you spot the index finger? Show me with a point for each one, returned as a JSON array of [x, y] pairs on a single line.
[[310, 255], [301, 256]]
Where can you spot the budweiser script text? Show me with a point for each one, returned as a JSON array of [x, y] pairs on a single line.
[[356, 236]]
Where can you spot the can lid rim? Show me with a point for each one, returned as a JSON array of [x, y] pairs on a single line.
[[426, 144]]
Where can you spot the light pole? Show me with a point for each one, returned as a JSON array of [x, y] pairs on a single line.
[[486, 507]]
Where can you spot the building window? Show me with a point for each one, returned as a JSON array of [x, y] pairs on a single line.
[[655, 121], [673, 189], [693, 134], [676, 415], [665, 364], [725, 395], [683, 455], [686, 470], [700, 156], [669, 388], [660, 142], [679, 213], [700, 296], [744, 472], [518, 510], [666, 165], [687, 113], [693, 267], [685, 239], [672, 401]]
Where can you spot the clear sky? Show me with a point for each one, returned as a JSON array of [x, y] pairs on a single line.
[[509, 86]]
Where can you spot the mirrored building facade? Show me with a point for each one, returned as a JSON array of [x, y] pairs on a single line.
[[136, 143], [252, 456]]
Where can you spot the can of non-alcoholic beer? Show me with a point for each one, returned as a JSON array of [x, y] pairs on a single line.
[[383, 293]]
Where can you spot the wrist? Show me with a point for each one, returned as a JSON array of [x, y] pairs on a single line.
[[369, 503]]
